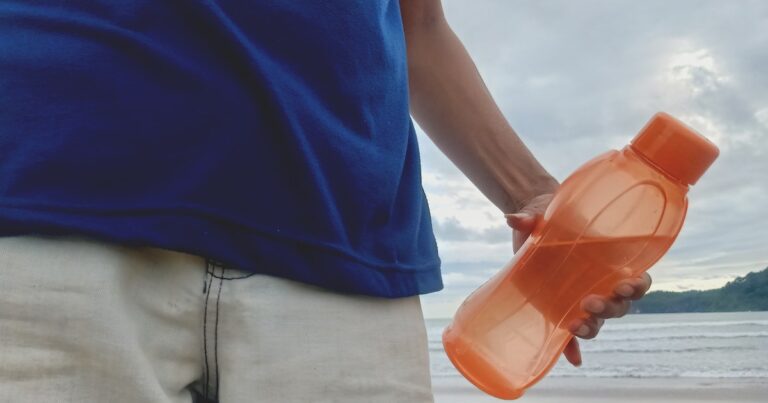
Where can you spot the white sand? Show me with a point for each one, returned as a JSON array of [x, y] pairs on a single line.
[[636, 390]]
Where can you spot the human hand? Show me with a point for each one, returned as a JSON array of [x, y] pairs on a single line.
[[598, 307]]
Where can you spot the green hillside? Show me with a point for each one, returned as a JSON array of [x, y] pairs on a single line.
[[748, 293]]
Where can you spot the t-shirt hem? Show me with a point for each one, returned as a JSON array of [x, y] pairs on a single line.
[[236, 247]]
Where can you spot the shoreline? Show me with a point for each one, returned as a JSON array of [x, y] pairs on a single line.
[[638, 390]]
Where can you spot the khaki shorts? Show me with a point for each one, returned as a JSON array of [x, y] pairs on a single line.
[[89, 321]]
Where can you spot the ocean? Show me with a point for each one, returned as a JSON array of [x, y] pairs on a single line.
[[684, 345]]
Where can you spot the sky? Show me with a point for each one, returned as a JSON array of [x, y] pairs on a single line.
[[577, 78]]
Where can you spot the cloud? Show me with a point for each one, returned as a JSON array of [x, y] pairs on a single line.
[[451, 229], [577, 78], [454, 279]]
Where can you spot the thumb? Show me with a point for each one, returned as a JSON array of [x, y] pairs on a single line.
[[572, 352], [523, 224]]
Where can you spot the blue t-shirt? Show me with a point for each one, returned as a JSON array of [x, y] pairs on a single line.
[[273, 136]]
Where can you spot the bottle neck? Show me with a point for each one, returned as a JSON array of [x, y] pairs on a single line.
[[655, 166]]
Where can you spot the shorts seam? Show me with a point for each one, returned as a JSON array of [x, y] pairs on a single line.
[[211, 369], [224, 267]]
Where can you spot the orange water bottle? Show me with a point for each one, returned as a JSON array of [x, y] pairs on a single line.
[[611, 219]]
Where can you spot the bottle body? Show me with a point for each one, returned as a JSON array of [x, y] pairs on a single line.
[[611, 219]]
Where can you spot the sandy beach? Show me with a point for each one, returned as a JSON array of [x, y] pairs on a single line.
[[583, 390]]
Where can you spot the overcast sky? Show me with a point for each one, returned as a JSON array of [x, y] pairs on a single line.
[[576, 78]]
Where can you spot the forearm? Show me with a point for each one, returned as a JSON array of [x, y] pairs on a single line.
[[451, 103]]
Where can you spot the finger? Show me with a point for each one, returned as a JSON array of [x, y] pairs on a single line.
[[634, 288], [518, 239], [572, 352], [587, 328], [523, 224], [605, 308], [521, 221]]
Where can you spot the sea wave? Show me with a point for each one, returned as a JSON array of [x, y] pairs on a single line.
[[620, 327], [611, 328], [631, 337], [736, 374], [667, 350], [436, 344], [732, 345]]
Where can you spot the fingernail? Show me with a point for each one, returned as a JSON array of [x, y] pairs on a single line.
[[519, 216], [582, 331], [625, 290], [595, 306]]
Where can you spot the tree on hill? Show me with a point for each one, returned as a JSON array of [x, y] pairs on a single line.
[[747, 293]]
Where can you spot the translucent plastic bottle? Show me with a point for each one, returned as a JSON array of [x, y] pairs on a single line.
[[611, 219]]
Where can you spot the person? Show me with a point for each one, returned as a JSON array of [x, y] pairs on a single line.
[[220, 200]]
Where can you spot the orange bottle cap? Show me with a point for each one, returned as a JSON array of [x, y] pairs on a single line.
[[675, 148]]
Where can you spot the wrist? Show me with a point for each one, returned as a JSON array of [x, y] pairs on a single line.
[[536, 186]]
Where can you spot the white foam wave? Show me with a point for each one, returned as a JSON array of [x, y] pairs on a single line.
[[630, 337], [600, 350], [618, 327], [736, 374], [437, 344]]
